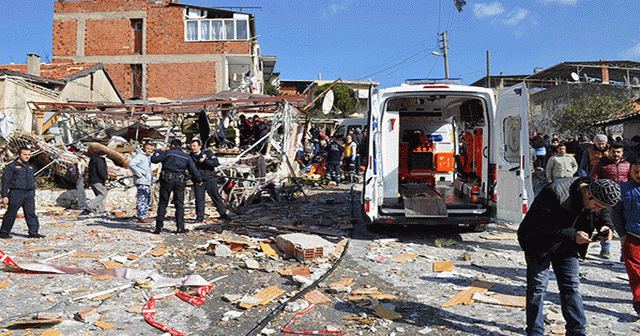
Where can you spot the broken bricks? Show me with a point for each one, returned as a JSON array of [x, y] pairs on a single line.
[[305, 247]]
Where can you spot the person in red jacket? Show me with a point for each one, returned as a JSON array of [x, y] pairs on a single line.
[[615, 168]]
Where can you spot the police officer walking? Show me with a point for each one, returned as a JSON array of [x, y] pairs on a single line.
[[19, 191], [173, 179], [206, 162]]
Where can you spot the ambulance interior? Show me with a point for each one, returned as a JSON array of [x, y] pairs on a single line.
[[440, 166]]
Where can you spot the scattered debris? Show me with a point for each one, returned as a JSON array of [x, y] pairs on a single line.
[[263, 297], [305, 247], [466, 296]]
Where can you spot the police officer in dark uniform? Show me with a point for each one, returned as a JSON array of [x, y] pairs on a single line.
[[19, 191], [206, 162], [173, 179]]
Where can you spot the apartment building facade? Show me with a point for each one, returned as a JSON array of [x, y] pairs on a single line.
[[161, 48]]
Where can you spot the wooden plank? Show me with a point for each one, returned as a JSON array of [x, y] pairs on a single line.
[[502, 300], [386, 313], [342, 283], [316, 297], [404, 257], [443, 266], [465, 296], [266, 295]]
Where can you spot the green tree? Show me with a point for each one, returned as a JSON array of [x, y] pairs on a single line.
[[344, 102], [271, 90], [579, 116]]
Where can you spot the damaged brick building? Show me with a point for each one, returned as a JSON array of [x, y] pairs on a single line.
[[161, 48]]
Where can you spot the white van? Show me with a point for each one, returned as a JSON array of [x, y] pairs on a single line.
[[343, 126], [441, 153]]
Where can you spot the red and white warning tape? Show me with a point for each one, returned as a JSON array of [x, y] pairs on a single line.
[[316, 332], [149, 310]]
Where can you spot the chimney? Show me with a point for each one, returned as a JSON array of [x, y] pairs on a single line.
[[33, 64], [605, 72]]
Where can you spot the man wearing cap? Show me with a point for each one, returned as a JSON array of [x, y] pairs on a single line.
[[19, 191], [206, 162], [557, 230], [173, 179], [334, 158], [98, 176], [592, 155]]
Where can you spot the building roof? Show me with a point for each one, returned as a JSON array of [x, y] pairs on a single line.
[[58, 71], [497, 81], [31, 78], [622, 72]]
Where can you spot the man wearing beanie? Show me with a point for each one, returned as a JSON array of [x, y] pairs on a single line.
[[592, 155], [557, 230]]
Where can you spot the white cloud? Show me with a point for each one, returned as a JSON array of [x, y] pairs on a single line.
[[487, 10], [515, 16], [561, 2], [338, 6], [631, 53]]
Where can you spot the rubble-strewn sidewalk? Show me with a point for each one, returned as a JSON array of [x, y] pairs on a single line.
[[400, 281]]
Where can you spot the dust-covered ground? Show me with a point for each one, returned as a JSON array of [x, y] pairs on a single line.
[[390, 272]]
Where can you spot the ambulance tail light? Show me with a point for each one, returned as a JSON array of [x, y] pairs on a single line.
[[524, 208]]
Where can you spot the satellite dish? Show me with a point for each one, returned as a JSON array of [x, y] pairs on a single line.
[[575, 77], [635, 81], [327, 102]]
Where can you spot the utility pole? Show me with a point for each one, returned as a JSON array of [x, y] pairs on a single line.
[[444, 49]]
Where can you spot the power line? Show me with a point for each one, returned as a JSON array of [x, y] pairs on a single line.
[[395, 65]]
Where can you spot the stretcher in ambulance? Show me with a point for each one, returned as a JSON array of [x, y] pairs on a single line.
[[442, 153]]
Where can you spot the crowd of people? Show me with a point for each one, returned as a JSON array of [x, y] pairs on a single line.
[[335, 157], [593, 189]]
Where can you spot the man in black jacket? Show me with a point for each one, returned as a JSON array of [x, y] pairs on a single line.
[[173, 179], [206, 162], [555, 232], [19, 190], [98, 176]]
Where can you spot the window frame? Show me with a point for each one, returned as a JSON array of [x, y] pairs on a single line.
[[223, 25]]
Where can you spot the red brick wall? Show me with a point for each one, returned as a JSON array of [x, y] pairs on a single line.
[[64, 38], [180, 80], [165, 31], [108, 38], [121, 76], [90, 6]]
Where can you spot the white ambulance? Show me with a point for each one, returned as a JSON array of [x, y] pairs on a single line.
[[442, 153]]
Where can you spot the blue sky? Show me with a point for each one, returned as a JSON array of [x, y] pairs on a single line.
[[389, 41]]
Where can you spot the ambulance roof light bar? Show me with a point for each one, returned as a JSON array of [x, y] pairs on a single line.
[[432, 81]]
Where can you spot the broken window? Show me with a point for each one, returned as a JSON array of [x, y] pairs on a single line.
[[136, 80], [136, 24]]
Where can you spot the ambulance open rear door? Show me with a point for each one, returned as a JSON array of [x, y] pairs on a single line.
[[513, 183]]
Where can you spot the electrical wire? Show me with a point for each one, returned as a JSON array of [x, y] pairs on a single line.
[[274, 313], [395, 65]]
